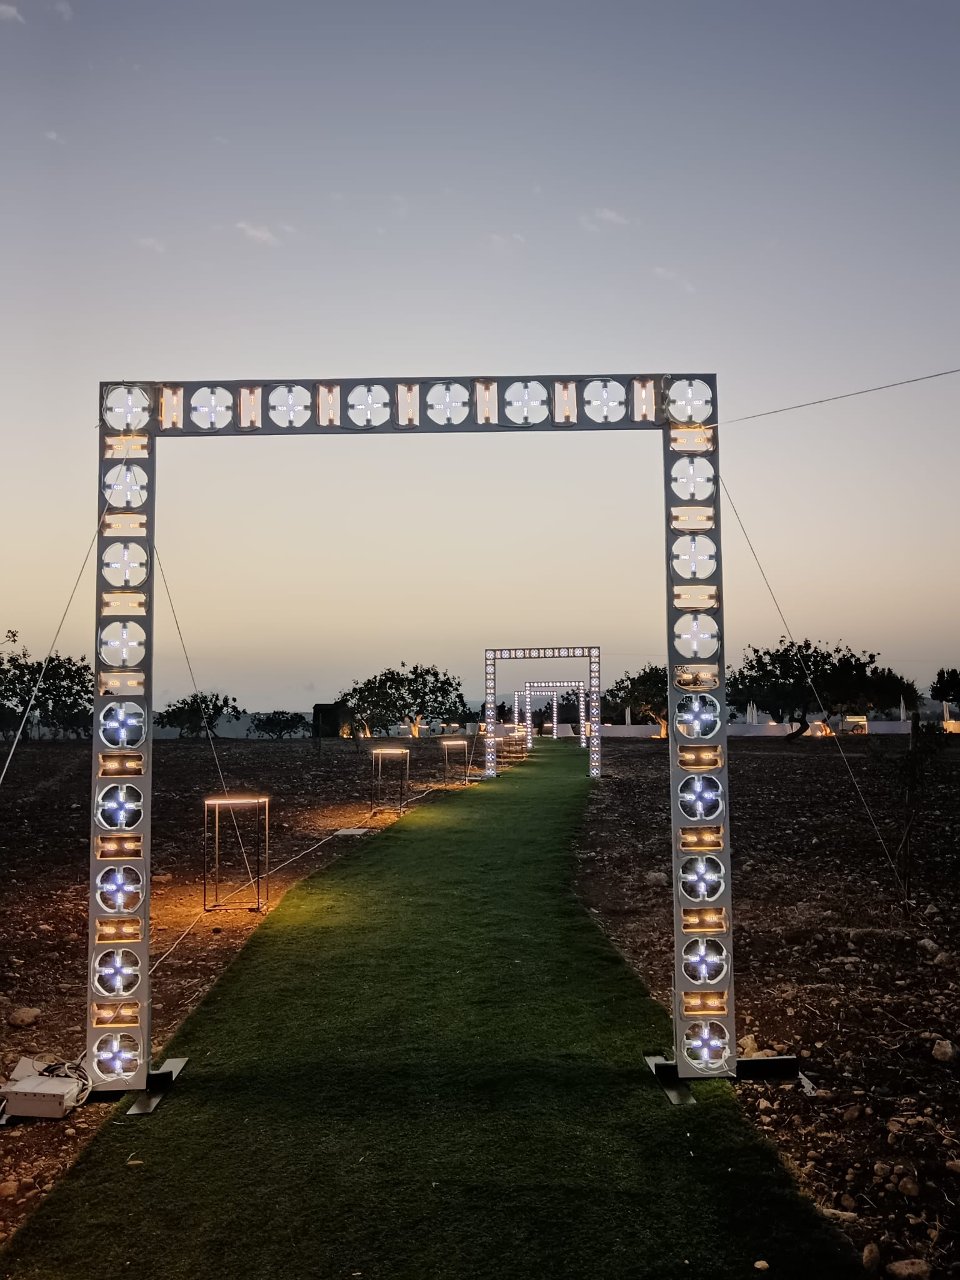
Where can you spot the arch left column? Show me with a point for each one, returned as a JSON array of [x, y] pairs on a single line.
[[118, 952]]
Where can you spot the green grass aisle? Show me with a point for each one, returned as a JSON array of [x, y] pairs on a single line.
[[426, 1064]]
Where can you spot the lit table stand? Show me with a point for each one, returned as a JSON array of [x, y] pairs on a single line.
[[512, 746], [377, 755], [459, 744], [259, 874]]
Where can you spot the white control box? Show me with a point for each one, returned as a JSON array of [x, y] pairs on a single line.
[[48, 1096]]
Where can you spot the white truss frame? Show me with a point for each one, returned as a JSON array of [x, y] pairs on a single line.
[[554, 688], [134, 416], [589, 653]]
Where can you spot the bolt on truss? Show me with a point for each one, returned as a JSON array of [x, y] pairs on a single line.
[[135, 416]]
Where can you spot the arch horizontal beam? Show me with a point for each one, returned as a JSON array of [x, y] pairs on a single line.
[[328, 406]]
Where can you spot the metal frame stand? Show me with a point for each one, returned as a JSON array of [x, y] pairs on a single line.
[[376, 776], [262, 857], [446, 744]]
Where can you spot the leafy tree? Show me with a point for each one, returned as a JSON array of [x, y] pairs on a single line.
[[414, 693], [568, 707], [884, 689], [278, 724], [18, 675], [946, 687], [195, 714], [781, 681], [63, 701], [644, 693]]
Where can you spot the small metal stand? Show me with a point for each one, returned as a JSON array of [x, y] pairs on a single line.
[[512, 747], [786, 1067], [402, 754], [460, 744], [211, 882]]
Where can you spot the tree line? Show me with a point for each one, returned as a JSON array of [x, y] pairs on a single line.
[[788, 682]]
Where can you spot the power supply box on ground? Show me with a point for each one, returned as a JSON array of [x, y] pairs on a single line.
[[46, 1096]]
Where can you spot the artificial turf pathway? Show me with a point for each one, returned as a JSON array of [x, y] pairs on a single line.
[[428, 1063]]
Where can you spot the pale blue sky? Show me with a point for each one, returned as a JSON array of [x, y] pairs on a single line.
[[214, 188]]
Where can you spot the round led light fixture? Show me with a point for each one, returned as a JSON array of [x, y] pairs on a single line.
[[696, 635], [126, 408], [122, 644], [119, 807], [604, 401], [125, 486], [448, 403], [368, 406], [123, 724], [693, 479], [117, 1057], [701, 879], [116, 972], [697, 715], [704, 960], [694, 557], [706, 1045], [526, 402], [119, 889], [700, 797], [125, 564], [211, 408], [289, 406], [689, 400]]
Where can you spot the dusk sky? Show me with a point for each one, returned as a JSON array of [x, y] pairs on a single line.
[[213, 189]]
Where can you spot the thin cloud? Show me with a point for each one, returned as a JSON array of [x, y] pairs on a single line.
[[52, 136], [603, 217], [258, 232], [10, 13], [501, 243], [65, 9], [674, 277], [151, 244], [612, 217]]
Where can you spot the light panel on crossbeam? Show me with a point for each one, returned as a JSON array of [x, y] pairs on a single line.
[[542, 402]]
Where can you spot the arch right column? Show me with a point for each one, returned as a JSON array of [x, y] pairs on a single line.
[[703, 1015]]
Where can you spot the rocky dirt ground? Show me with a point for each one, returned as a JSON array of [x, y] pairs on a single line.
[[830, 964]]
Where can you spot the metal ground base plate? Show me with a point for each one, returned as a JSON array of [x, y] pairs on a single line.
[[785, 1067], [158, 1082], [666, 1073]]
